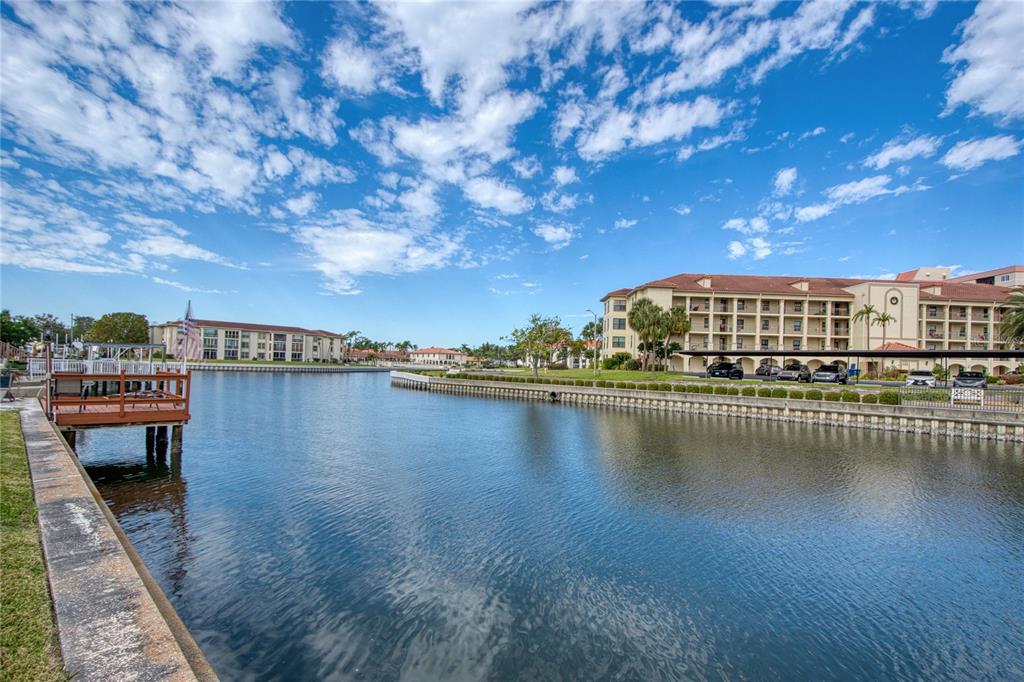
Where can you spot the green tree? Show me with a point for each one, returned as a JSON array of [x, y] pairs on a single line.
[[80, 326], [536, 341], [16, 330], [866, 315], [119, 328], [1011, 326], [647, 319], [675, 322], [592, 334], [50, 324]]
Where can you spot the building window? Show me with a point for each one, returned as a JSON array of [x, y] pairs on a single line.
[[741, 304], [619, 306], [739, 324], [209, 343], [764, 344], [618, 342], [765, 306], [798, 307], [618, 323], [796, 344], [280, 347], [739, 343], [764, 325], [798, 325]]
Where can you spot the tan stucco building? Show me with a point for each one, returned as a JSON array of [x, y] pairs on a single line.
[[441, 357], [754, 318], [220, 340]]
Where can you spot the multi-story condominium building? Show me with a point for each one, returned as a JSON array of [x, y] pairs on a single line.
[[1010, 276], [751, 319], [443, 357], [219, 340]]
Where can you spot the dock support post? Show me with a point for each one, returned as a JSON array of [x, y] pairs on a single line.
[[69, 436], [176, 433], [161, 442], [150, 441]]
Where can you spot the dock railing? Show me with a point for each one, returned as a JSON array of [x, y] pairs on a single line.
[[37, 367], [109, 399]]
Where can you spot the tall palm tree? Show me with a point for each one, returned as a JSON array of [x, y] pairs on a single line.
[[675, 323], [645, 317], [866, 314], [1011, 327], [883, 320]]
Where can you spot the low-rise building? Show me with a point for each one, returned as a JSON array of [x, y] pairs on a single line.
[[441, 357], [751, 319], [220, 340], [1011, 276]]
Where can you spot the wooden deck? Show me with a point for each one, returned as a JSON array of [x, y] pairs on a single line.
[[132, 399]]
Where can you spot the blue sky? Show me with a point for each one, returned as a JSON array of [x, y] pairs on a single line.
[[437, 172]]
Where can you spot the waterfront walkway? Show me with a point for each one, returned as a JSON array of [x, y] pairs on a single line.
[[113, 621]]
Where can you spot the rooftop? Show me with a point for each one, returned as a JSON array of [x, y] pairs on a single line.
[[251, 326]]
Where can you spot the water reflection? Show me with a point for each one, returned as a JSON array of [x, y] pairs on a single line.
[[335, 528]]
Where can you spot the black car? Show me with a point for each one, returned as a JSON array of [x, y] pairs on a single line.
[[766, 370], [829, 374], [725, 370], [795, 372], [969, 380]]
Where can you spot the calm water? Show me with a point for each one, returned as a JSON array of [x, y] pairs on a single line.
[[333, 527]]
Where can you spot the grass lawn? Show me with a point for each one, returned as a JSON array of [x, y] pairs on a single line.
[[28, 644]]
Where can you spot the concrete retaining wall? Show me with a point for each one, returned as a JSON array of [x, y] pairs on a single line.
[[923, 420], [304, 369]]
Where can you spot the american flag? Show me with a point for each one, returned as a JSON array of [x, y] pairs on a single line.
[[188, 337]]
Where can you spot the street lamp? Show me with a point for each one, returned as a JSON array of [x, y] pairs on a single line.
[[596, 371]]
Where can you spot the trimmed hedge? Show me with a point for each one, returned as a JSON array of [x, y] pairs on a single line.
[[833, 396], [764, 393], [733, 390], [721, 390], [707, 389], [850, 397], [628, 384], [680, 388], [665, 387], [779, 393], [889, 398], [749, 391], [796, 395], [870, 399], [813, 394]]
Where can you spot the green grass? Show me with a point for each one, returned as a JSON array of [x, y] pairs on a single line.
[[28, 643]]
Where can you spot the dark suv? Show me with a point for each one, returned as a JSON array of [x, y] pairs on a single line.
[[830, 374], [795, 372], [969, 380], [725, 370]]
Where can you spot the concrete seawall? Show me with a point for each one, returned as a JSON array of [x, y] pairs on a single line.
[[113, 621], [285, 367], [923, 420]]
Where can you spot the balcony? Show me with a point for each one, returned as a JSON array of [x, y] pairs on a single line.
[[841, 331], [840, 310], [936, 335], [818, 311], [980, 316], [958, 314]]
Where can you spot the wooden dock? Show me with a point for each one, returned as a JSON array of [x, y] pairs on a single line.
[[77, 401]]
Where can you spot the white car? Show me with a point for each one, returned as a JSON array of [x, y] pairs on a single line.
[[921, 377]]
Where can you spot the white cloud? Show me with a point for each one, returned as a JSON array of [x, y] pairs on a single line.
[[302, 204], [784, 181], [989, 62], [492, 193], [969, 154], [559, 203], [526, 167], [185, 287], [756, 225], [682, 210], [564, 175], [895, 151], [854, 192], [557, 236], [618, 129], [350, 66], [813, 133], [736, 250], [624, 223]]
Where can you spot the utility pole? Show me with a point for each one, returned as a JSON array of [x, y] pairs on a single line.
[[596, 370]]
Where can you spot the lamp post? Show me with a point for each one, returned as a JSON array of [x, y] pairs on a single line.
[[596, 370]]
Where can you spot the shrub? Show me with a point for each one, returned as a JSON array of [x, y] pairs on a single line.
[[583, 382], [733, 390], [833, 396], [632, 365], [870, 398], [813, 394], [721, 390], [850, 397], [707, 389], [694, 388], [764, 393], [557, 365], [617, 361], [665, 387], [796, 395], [1012, 379], [889, 398], [628, 384], [600, 383], [749, 391], [779, 393], [680, 388]]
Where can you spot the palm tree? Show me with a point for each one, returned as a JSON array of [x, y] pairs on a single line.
[[866, 314], [675, 323], [1011, 327], [645, 317], [883, 320]]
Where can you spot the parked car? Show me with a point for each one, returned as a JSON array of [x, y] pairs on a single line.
[[829, 374], [795, 372], [969, 380], [766, 370], [725, 370], [921, 377]]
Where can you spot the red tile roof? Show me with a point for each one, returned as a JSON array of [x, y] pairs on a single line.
[[907, 276], [250, 326], [892, 345], [833, 287], [435, 351]]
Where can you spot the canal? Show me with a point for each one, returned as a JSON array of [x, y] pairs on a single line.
[[333, 527]]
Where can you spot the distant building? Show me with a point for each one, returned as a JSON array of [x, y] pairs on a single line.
[[220, 340], [442, 357], [1010, 276], [751, 319]]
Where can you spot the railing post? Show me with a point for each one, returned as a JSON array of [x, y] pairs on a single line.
[[188, 389], [121, 401]]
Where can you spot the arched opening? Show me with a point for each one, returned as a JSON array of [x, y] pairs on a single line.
[[841, 363], [955, 368], [978, 368], [746, 364], [1000, 370], [695, 364], [791, 361], [677, 363], [813, 364]]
